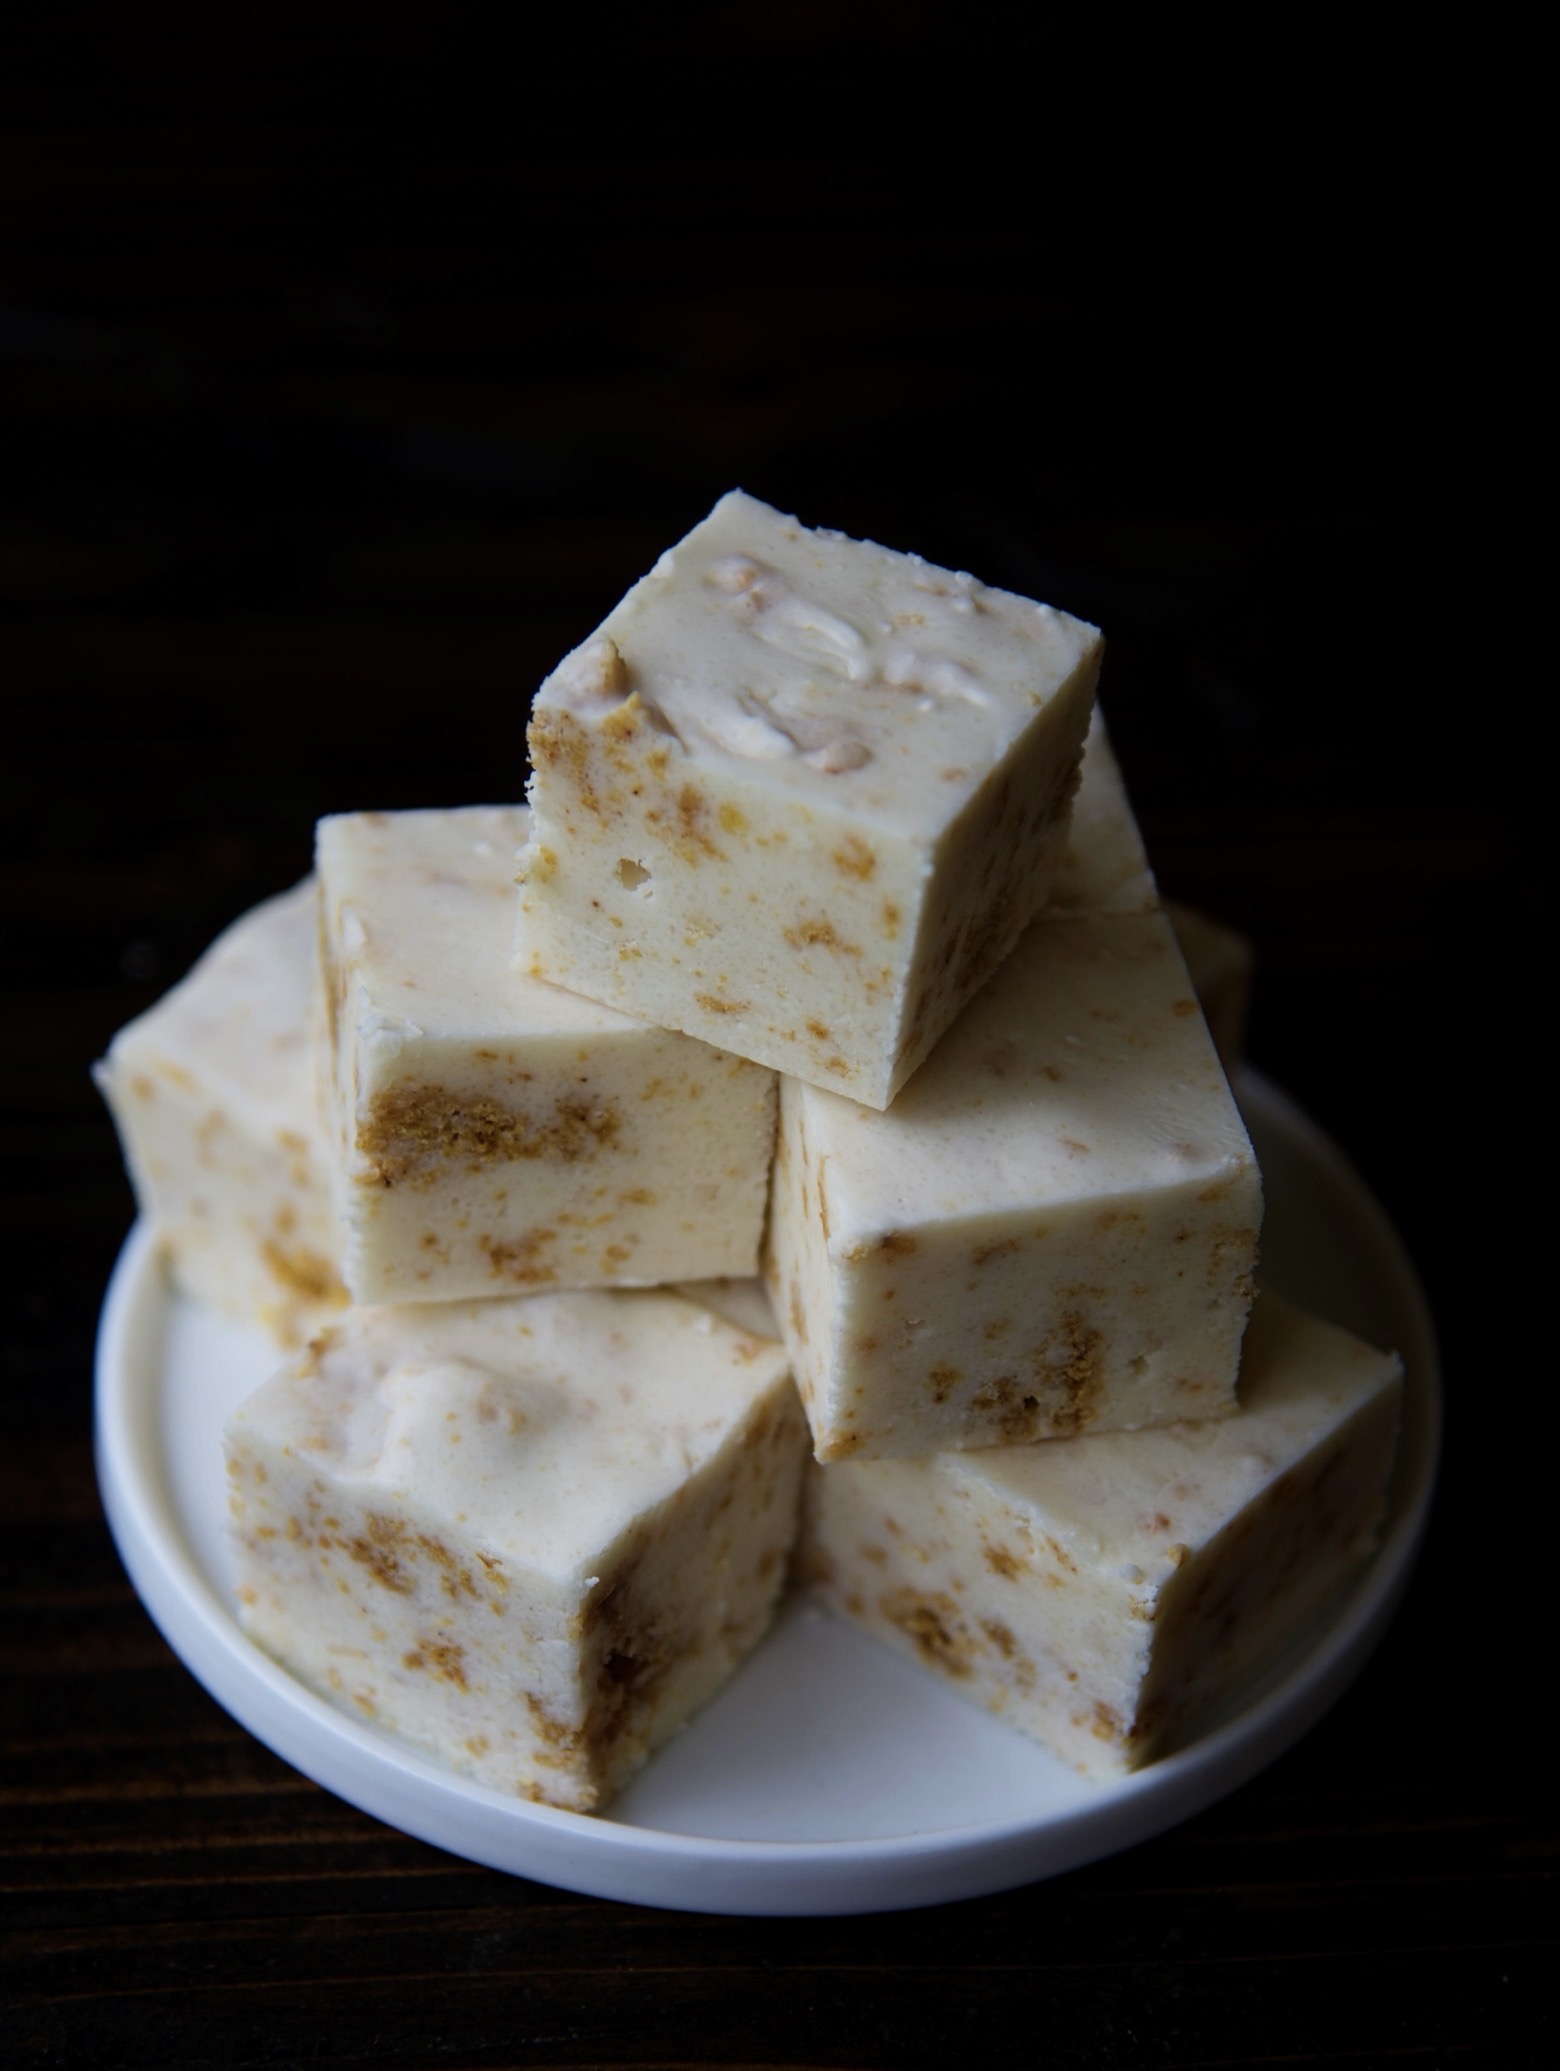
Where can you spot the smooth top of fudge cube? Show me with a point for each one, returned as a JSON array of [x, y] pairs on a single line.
[[1083, 1069], [542, 1426], [1104, 867], [424, 908], [840, 671], [1135, 1502], [238, 1019]]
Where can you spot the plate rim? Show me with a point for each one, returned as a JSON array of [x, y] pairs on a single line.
[[592, 1853]]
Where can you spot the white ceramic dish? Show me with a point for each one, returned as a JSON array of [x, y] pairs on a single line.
[[829, 1777]]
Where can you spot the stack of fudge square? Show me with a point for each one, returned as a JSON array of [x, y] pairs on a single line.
[[825, 951]]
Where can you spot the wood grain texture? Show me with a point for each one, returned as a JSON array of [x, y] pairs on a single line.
[[334, 415]]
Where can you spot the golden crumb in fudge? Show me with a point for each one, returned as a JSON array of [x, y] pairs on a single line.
[[303, 1273], [815, 932], [413, 1131], [444, 1660], [1069, 1363], [1003, 1561], [855, 858], [1003, 1405], [931, 1622], [524, 1260]]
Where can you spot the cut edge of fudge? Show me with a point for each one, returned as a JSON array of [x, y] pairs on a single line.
[[1113, 1595], [1053, 1230], [493, 1134], [544, 1635], [823, 909]]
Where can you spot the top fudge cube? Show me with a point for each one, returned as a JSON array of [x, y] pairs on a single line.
[[799, 795]]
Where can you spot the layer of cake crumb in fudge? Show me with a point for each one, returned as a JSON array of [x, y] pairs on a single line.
[[493, 1134], [213, 1093], [1110, 1595], [799, 794], [530, 1536], [1053, 1229]]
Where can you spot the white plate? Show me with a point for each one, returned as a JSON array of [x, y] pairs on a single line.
[[829, 1776]]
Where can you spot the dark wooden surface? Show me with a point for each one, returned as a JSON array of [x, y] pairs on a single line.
[[338, 400]]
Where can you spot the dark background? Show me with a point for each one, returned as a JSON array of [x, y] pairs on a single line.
[[352, 363]]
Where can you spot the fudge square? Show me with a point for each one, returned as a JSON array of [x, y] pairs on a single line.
[[213, 1093], [1108, 1595], [799, 794], [1053, 1229], [493, 1134], [531, 1536]]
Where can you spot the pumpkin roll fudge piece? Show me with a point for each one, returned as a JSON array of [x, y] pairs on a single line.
[[799, 794], [1053, 1229], [530, 1536], [1108, 1596], [213, 1093], [492, 1134]]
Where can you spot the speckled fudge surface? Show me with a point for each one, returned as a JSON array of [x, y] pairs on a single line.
[[529, 1536], [1052, 1230], [491, 1133], [799, 794], [1109, 1594], [213, 1092]]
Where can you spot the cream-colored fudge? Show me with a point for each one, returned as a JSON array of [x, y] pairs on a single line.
[[798, 795], [1220, 960], [213, 1093], [530, 1536], [1109, 1595], [1105, 869], [492, 1133], [745, 1303], [1053, 1229], [1104, 866]]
